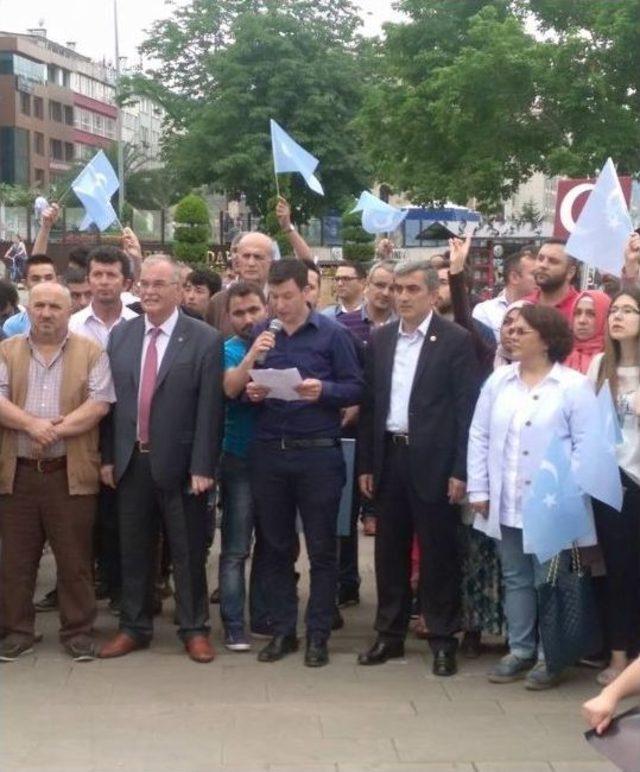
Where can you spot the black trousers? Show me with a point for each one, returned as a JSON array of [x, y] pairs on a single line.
[[107, 541], [401, 513], [619, 538], [283, 482], [142, 506]]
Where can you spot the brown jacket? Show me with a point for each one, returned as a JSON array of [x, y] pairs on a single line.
[[216, 314], [83, 461]]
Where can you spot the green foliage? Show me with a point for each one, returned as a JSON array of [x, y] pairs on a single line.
[[227, 67], [16, 195], [352, 230], [360, 252], [191, 218]]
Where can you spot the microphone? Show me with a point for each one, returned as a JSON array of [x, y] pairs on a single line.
[[275, 325]]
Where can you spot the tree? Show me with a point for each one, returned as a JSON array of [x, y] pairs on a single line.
[[226, 68], [453, 116], [357, 244], [192, 228]]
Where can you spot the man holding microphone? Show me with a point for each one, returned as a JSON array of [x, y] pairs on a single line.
[[296, 460]]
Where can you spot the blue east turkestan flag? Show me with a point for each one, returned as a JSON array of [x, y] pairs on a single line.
[[554, 514], [94, 186], [596, 470], [289, 156], [377, 215]]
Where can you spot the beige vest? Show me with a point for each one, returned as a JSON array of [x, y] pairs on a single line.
[[78, 358]]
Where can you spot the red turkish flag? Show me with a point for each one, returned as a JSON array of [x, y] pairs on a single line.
[[571, 197]]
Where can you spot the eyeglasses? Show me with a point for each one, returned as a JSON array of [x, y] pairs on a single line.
[[623, 311], [155, 285]]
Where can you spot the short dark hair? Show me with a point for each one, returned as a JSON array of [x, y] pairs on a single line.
[[241, 289], [110, 255], [359, 268], [78, 255], [75, 276], [552, 327], [311, 266], [201, 277], [289, 268], [512, 263], [467, 272], [38, 259], [8, 294], [554, 240]]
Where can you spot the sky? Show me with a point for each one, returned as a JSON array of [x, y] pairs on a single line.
[[89, 23]]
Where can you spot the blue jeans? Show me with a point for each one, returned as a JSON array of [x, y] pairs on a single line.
[[521, 575], [237, 534]]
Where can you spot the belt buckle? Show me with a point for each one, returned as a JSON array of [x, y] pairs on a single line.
[[143, 447], [402, 439], [39, 466]]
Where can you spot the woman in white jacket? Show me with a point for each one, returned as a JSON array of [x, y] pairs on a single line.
[[521, 408]]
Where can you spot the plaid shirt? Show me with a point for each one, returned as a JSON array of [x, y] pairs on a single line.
[[43, 394]]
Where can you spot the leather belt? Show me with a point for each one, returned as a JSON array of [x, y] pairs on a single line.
[[44, 465], [293, 443], [143, 447], [397, 438]]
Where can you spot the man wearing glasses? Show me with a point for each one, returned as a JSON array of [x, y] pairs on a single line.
[[160, 447]]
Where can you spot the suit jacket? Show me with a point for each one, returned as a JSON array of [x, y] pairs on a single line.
[[443, 395], [186, 421]]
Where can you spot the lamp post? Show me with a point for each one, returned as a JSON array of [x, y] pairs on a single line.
[[121, 190]]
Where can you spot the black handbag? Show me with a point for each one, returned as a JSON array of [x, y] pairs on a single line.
[[568, 615]]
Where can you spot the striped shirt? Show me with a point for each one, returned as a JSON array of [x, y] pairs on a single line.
[[43, 395]]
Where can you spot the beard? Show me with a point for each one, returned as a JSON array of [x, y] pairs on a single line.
[[550, 282]]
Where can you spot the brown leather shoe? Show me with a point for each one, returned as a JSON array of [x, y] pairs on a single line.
[[121, 645], [369, 526], [199, 649]]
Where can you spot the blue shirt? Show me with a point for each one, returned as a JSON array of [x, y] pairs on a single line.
[[18, 324], [320, 349], [239, 417]]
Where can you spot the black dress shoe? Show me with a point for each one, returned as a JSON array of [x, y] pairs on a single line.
[[278, 647], [381, 651], [348, 596], [337, 623], [444, 663], [316, 654]]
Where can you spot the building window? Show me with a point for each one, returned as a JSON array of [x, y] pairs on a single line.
[[38, 143], [25, 103], [55, 149], [38, 107], [38, 177], [68, 151], [68, 115], [55, 111]]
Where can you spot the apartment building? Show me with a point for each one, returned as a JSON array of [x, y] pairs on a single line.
[[58, 107]]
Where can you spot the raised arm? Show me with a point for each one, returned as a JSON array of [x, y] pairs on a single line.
[[298, 244], [49, 217]]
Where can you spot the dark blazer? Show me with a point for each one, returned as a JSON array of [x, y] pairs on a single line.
[[443, 397], [186, 422]]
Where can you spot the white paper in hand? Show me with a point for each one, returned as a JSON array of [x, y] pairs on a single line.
[[281, 383]]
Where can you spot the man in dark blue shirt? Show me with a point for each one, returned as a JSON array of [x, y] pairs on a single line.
[[297, 462]]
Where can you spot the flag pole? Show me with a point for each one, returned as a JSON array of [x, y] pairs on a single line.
[[121, 191], [277, 185]]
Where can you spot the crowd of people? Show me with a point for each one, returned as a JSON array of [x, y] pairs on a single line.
[[130, 401]]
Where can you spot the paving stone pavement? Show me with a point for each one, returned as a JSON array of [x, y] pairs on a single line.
[[156, 711]]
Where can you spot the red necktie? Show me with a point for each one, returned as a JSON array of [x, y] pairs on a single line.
[[148, 384]]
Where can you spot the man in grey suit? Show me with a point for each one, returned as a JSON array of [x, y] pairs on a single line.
[[160, 448]]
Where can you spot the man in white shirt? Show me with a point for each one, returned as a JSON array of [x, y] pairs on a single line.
[[420, 389], [518, 281], [109, 271]]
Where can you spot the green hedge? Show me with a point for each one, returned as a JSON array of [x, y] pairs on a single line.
[[190, 253], [191, 218], [360, 252]]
